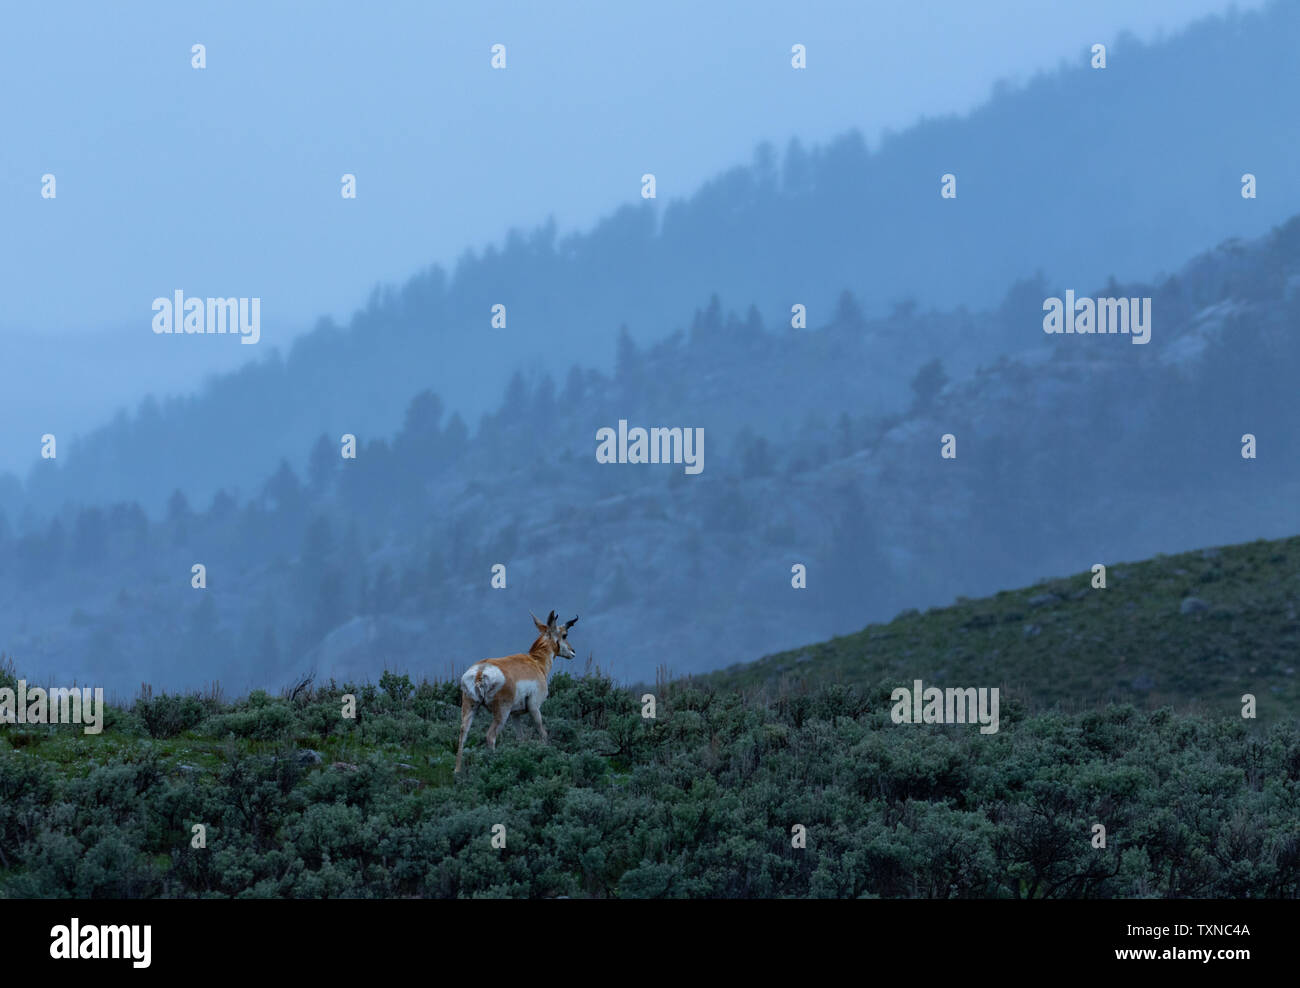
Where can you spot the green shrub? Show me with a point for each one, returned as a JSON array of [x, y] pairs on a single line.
[[702, 800], [165, 716]]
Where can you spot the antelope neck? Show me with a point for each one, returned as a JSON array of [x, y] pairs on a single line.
[[542, 651]]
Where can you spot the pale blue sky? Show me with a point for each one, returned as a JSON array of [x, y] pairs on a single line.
[[225, 181]]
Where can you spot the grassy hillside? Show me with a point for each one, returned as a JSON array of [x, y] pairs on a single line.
[[1193, 630], [705, 798]]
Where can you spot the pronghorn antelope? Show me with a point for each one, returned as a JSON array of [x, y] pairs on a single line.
[[512, 684]]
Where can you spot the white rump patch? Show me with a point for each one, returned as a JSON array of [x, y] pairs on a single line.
[[488, 686]]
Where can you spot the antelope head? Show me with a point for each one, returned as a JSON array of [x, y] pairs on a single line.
[[556, 634]]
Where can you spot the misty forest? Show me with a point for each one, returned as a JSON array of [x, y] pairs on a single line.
[[378, 504]]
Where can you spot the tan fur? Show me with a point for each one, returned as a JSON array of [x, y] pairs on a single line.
[[533, 666]]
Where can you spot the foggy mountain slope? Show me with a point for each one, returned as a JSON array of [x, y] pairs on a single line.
[[1070, 451], [1084, 172]]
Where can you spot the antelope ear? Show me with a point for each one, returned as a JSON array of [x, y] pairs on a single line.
[[540, 626], [571, 623]]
